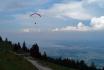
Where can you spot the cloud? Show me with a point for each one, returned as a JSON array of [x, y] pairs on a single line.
[[27, 30], [12, 5], [95, 1], [96, 24], [73, 10], [91, 1], [80, 27], [76, 9], [23, 17], [95, 7]]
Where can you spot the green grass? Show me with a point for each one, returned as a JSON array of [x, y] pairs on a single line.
[[54, 66], [10, 61]]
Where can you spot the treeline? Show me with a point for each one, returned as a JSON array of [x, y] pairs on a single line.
[[35, 53]]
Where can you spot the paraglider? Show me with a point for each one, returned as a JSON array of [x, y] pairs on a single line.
[[35, 15]]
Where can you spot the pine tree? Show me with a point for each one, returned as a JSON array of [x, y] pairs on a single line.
[[93, 66], [24, 48], [44, 55], [19, 46], [103, 68], [6, 39], [15, 47], [1, 39], [83, 65], [34, 51]]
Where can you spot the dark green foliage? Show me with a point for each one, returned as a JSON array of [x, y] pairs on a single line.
[[1, 39], [6, 39], [44, 56], [80, 65], [93, 66], [34, 51], [24, 47], [103, 68], [55, 66], [10, 61], [19, 46], [16, 47]]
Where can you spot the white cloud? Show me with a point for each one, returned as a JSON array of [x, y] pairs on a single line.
[[96, 24], [73, 10], [80, 27], [27, 30]]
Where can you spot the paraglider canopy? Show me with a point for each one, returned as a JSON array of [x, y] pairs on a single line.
[[34, 14]]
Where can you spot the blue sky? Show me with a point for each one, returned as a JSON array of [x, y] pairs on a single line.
[[64, 17]]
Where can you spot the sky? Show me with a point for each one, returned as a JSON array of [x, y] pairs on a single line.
[[61, 19]]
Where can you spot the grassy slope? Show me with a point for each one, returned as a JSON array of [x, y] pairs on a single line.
[[54, 66], [10, 61]]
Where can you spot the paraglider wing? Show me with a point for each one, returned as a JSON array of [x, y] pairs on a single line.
[[36, 14]]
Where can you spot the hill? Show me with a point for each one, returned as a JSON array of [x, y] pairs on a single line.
[[10, 61], [54, 66]]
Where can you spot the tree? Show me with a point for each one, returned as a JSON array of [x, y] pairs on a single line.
[[83, 65], [103, 68], [1, 39], [6, 40], [16, 47], [44, 55], [24, 48], [93, 66], [19, 46], [34, 51]]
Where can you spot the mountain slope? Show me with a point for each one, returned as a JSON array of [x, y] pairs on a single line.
[[10, 61]]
